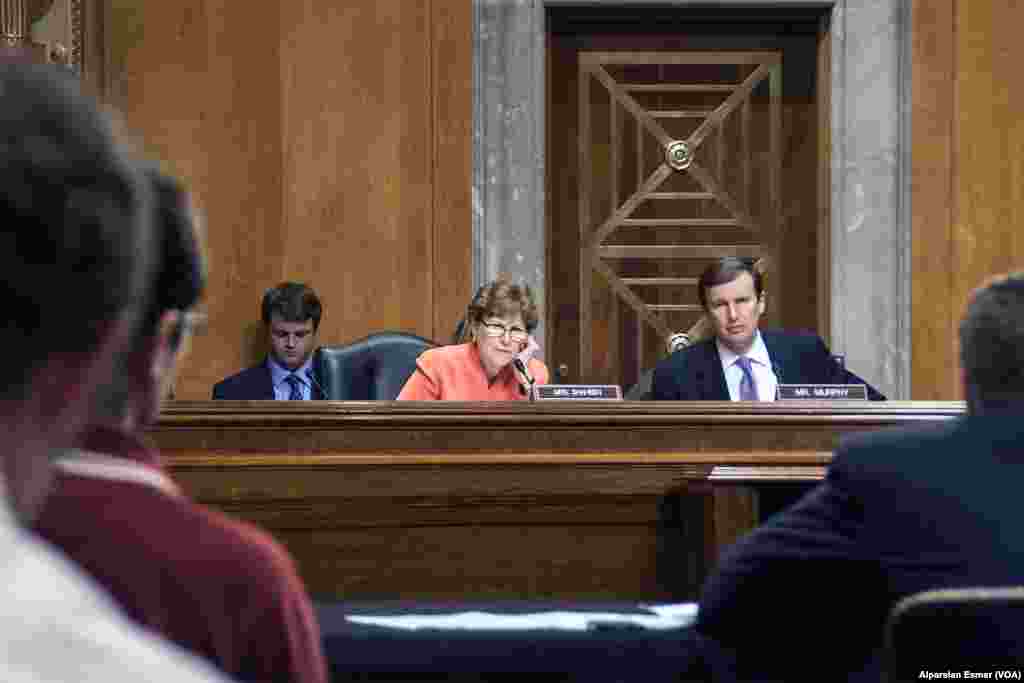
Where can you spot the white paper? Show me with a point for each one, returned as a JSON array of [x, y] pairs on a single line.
[[661, 617]]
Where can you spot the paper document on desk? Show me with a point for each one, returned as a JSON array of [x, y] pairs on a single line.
[[660, 617]]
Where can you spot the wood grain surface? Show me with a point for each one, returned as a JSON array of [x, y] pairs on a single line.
[[573, 500]]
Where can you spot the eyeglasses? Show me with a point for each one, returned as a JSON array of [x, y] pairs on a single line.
[[516, 334]]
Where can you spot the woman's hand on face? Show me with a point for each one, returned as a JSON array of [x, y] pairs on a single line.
[[530, 348]]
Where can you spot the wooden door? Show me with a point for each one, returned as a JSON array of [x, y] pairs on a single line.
[[665, 152], [686, 170]]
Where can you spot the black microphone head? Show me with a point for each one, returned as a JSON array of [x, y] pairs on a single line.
[[521, 367]]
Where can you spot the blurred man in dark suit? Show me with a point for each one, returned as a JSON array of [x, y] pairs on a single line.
[[291, 316], [900, 511], [741, 362]]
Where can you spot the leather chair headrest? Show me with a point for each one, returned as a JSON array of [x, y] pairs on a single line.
[[374, 368]]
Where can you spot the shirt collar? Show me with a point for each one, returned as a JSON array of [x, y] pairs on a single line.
[[278, 373], [758, 353]]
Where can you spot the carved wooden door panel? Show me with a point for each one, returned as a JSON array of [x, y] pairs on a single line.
[[679, 163]]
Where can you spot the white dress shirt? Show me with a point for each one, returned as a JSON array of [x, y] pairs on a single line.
[[57, 625], [760, 367]]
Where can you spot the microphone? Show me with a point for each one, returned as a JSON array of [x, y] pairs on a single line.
[[312, 379], [521, 367], [677, 341], [778, 378]]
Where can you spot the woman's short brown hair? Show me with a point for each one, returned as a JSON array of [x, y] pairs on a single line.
[[501, 297]]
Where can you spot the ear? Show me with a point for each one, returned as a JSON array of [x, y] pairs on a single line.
[[168, 345], [164, 344], [761, 303]]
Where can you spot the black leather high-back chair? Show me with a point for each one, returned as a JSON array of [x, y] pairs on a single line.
[[953, 629], [374, 368]]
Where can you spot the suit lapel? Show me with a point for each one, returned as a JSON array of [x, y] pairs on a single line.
[[267, 382], [711, 378], [781, 356]]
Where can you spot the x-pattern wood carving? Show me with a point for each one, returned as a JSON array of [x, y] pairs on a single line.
[[594, 247]]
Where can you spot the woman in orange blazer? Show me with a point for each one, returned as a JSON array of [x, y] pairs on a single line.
[[483, 367]]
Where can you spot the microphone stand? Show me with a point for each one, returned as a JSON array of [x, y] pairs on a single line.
[[778, 378], [521, 367]]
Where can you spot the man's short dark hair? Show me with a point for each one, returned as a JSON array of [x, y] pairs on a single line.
[[294, 302], [725, 270], [992, 346], [75, 249]]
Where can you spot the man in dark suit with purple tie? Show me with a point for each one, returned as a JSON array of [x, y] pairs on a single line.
[[741, 362], [291, 315]]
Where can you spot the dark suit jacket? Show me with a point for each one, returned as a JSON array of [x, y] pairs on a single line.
[[899, 512], [252, 384], [695, 373]]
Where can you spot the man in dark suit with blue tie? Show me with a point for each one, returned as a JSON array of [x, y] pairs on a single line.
[[900, 511], [291, 315], [741, 362]]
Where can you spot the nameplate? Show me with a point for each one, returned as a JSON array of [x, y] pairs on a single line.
[[822, 392], [578, 392]]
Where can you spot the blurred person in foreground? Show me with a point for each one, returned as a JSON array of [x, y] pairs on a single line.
[[76, 260], [899, 512], [493, 361], [220, 588]]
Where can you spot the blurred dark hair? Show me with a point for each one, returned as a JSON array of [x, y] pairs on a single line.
[[181, 271], [75, 242], [295, 302], [178, 282], [724, 270], [501, 297], [992, 346]]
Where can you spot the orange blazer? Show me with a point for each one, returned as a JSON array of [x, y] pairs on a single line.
[[454, 373]]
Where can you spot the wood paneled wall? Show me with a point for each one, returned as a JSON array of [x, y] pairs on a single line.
[[331, 142], [967, 171], [324, 142]]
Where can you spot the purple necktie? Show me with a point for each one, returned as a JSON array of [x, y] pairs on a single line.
[[748, 387]]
